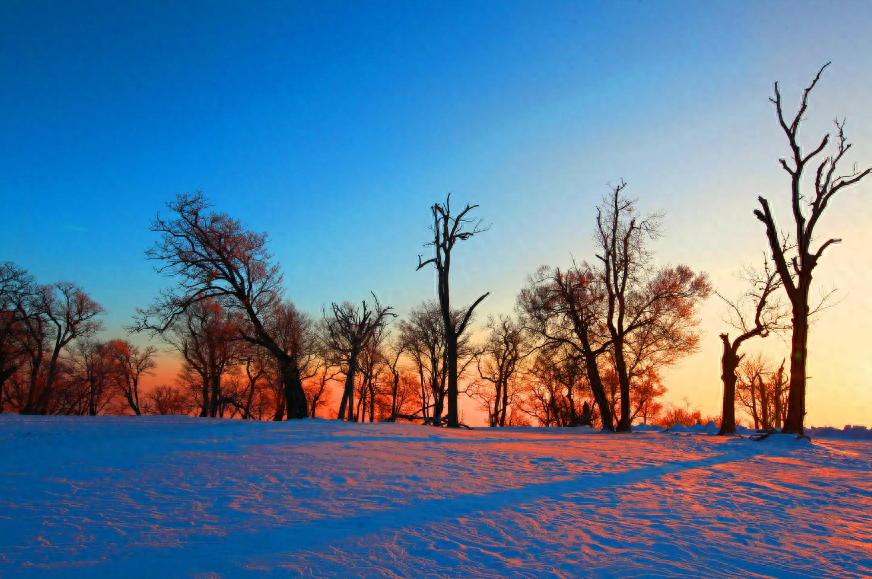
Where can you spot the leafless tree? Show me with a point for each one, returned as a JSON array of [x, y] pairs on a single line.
[[297, 336], [398, 388], [497, 365], [423, 338], [768, 316], [165, 399], [93, 369], [130, 364], [762, 391], [567, 309], [447, 230], [555, 389], [206, 336], [796, 267], [348, 331], [649, 313], [16, 290], [60, 313], [214, 257]]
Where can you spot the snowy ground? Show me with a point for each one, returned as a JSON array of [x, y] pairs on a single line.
[[180, 497]]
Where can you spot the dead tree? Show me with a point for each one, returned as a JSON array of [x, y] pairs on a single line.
[[447, 230], [768, 316], [795, 267], [348, 330]]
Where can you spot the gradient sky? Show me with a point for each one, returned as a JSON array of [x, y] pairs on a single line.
[[335, 125]]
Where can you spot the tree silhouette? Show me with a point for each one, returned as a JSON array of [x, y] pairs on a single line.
[[795, 262], [213, 256], [447, 230], [767, 317]]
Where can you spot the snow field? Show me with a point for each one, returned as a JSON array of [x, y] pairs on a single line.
[[188, 497]]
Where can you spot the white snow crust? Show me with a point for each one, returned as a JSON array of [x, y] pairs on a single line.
[[198, 498]]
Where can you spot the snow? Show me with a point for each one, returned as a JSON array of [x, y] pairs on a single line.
[[199, 498]]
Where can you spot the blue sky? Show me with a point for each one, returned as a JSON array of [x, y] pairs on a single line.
[[334, 126]]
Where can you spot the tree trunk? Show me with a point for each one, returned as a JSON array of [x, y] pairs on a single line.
[[599, 391], [729, 364], [451, 352], [793, 424], [624, 381], [295, 397], [764, 403], [280, 406]]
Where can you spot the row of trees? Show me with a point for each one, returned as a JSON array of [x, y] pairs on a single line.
[[50, 362], [587, 343]]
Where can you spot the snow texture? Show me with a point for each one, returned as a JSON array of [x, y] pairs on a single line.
[[198, 498]]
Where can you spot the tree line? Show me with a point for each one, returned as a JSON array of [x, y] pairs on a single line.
[[587, 343]]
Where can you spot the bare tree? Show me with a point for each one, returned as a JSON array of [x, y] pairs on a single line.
[[423, 338], [762, 391], [296, 335], [60, 313], [130, 365], [796, 267], [206, 335], [768, 316], [555, 390], [348, 330], [213, 256], [165, 399], [649, 313], [447, 230], [503, 351], [16, 290], [93, 368], [567, 309]]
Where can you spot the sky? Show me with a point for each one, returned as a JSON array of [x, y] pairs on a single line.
[[334, 126]]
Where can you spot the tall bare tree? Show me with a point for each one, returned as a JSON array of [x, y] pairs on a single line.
[[649, 313], [796, 261], [447, 230], [213, 256]]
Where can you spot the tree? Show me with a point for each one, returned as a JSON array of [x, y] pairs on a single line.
[[214, 257], [349, 330], [650, 314], [497, 364], [206, 336], [556, 391], [130, 365], [447, 230], [768, 316], [59, 314], [165, 399], [296, 335], [567, 309], [795, 259], [93, 368], [422, 336], [762, 390], [16, 289]]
